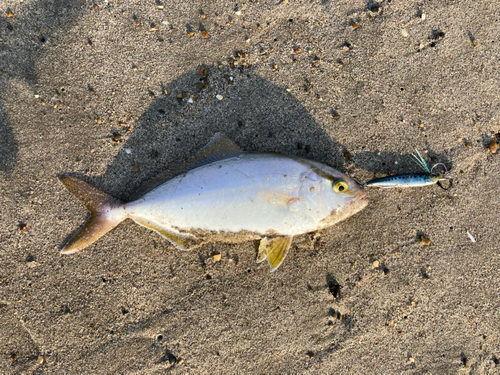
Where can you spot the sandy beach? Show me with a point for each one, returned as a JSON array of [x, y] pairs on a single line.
[[117, 91]]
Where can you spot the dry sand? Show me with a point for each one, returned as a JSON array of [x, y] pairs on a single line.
[[354, 84]]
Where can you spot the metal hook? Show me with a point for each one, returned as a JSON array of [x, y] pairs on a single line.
[[444, 166], [445, 178]]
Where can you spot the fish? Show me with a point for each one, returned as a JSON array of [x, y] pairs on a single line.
[[226, 192], [413, 179]]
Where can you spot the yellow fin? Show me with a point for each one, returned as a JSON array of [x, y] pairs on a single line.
[[276, 198], [179, 240], [274, 250]]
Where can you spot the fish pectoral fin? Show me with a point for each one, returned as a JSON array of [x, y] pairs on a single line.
[[276, 198], [179, 240], [274, 250]]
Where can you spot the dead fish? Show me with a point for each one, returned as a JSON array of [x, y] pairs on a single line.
[[227, 192]]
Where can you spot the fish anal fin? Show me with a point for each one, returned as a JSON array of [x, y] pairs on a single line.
[[276, 198], [179, 240], [220, 147], [274, 250]]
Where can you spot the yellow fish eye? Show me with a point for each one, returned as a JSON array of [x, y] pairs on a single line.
[[340, 186]]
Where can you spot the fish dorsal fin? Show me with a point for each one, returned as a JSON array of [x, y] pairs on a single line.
[[220, 147], [179, 240], [274, 250]]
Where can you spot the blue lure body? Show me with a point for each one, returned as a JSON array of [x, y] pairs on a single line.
[[411, 180], [404, 180]]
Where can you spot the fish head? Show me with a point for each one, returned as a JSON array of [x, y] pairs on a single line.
[[332, 195]]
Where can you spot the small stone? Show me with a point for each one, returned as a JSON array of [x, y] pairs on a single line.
[[204, 33], [191, 33], [160, 7], [493, 146], [96, 6], [297, 50], [203, 16], [404, 32], [425, 241], [376, 264], [220, 97], [411, 359], [190, 100], [127, 150], [354, 26], [238, 13], [40, 360], [459, 140], [423, 16], [421, 46], [180, 361], [468, 145], [117, 138], [135, 168], [23, 227], [10, 14], [217, 257], [179, 95]]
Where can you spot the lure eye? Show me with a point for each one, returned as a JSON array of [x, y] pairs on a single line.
[[340, 186]]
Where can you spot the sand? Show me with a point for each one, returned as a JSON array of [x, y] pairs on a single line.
[[115, 92]]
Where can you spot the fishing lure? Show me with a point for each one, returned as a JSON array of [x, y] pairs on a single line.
[[414, 179]]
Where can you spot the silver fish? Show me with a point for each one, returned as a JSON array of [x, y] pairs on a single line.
[[226, 192]]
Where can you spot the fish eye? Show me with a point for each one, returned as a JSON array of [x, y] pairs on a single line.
[[340, 186]]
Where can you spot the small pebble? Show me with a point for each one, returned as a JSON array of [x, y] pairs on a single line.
[[41, 360], [459, 140], [220, 97], [423, 16], [425, 241], [493, 146], [10, 14], [217, 257], [190, 100], [468, 144], [404, 32], [297, 50], [191, 33], [204, 33], [376, 264], [127, 150], [179, 95], [411, 359], [135, 168], [203, 16]]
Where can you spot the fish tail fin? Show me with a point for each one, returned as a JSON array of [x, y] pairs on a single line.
[[103, 218]]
